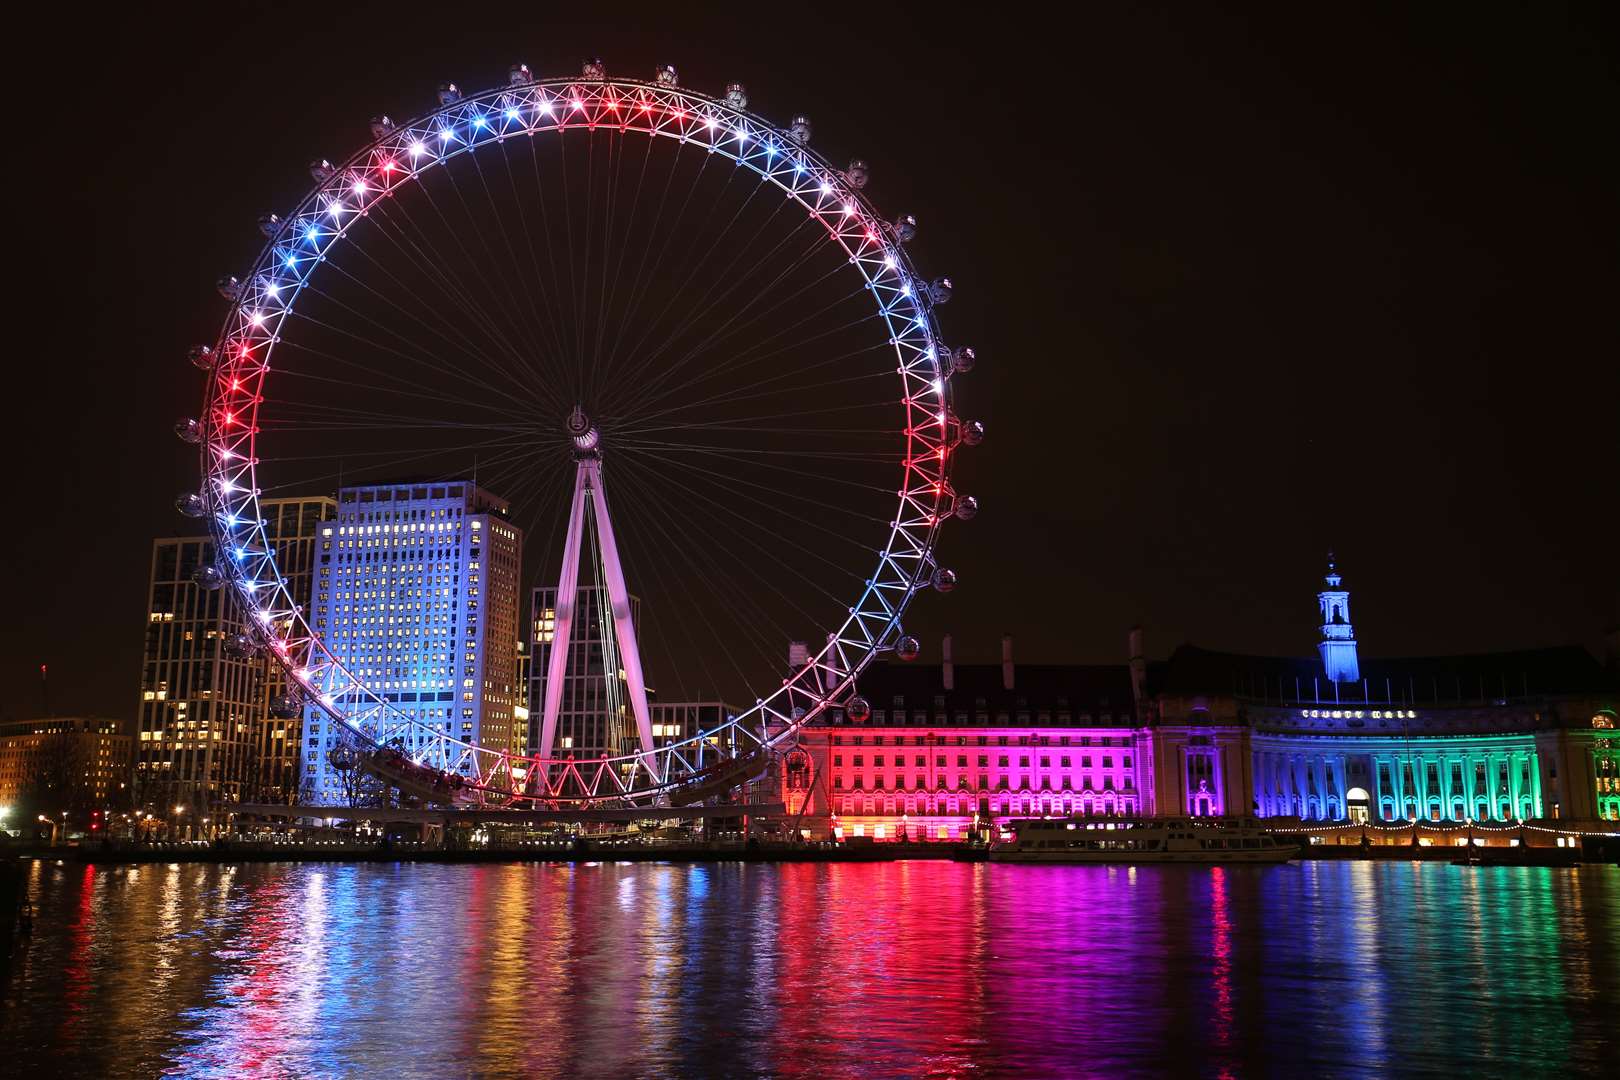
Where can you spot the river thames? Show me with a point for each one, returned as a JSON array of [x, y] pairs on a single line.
[[814, 970]]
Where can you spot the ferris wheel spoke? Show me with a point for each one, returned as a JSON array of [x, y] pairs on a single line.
[[677, 299], [303, 317], [720, 331], [373, 344], [700, 309], [745, 589], [740, 423], [602, 370], [748, 524], [434, 259], [675, 585], [752, 354], [530, 347], [372, 416], [645, 276], [555, 279], [545, 286], [451, 334], [515, 461], [713, 572], [790, 391], [744, 453], [415, 245], [303, 483], [539, 321], [702, 229], [326, 455], [745, 489], [573, 282], [372, 387], [460, 342]]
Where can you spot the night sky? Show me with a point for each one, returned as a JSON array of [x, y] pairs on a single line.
[[1244, 286]]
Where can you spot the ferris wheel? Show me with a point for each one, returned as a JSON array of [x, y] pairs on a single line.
[[566, 286]]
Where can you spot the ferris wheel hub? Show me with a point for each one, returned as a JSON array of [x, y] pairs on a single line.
[[585, 435]]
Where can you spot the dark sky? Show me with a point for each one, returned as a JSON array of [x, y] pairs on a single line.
[[1245, 285]]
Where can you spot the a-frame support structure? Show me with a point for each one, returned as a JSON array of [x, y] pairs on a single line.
[[590, 498]]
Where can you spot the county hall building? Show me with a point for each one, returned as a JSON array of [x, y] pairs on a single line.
[[1333, 739]]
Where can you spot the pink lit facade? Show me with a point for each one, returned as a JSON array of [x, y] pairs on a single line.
[[951, 748], [931, 780]]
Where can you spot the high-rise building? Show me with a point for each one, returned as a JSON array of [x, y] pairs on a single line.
[[416, 592], [593, 718], [203, 731], [677, 721]]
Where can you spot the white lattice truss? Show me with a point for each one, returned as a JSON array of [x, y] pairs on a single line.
[[242, 361]]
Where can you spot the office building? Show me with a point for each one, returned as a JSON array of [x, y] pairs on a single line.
[[204, 734], [416, 592]]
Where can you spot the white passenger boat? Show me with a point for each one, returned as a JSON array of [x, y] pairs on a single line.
[[1140, 840]]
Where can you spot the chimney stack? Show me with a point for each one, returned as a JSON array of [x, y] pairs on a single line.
[[950, 668], [1006, 662], [1138, 667]]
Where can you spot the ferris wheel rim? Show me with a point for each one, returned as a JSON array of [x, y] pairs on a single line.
[[246, 557]]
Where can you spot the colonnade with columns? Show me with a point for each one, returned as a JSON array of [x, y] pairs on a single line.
[[1455, 780]]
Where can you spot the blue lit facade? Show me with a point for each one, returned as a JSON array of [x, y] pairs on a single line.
[[416, 592], [1490, 738]]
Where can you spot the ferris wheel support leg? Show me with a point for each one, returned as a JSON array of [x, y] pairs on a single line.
[[567, 594], [624, 626]]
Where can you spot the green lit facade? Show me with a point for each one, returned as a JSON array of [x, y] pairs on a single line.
[[1491, 738]]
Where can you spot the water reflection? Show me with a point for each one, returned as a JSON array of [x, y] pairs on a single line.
[[799, 970]]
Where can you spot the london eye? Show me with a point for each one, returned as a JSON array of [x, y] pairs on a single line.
[[583, 287]]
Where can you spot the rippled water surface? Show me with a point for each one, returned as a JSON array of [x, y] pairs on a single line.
[[815, 970]]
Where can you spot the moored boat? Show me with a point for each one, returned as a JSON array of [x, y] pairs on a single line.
[[1141, 840]]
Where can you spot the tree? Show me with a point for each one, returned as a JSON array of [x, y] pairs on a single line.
[[55, 777]]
